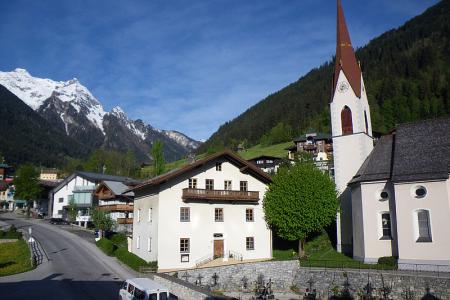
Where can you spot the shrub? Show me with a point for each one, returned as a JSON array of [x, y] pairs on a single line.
[[107, 246], [120, 240], [132, 260], [389, 261], [11, 233]]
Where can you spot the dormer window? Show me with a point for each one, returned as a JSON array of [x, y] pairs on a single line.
[[218, 166]]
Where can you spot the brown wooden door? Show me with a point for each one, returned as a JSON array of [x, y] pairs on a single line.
[[218, 248]]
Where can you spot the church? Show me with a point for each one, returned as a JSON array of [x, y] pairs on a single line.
[[395, 197]]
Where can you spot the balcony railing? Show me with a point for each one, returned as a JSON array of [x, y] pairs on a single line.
[[84, 188], [202, 194], [124, 221], [116, 207]]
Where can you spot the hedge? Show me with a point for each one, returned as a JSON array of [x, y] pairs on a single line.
[[106, 245]]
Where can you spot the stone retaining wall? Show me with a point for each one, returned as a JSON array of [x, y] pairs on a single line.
[[183, 290], [288, 275]]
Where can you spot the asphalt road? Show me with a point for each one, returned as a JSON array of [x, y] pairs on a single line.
[[75, 269]]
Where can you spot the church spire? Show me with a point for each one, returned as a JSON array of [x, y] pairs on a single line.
[[345, 56]]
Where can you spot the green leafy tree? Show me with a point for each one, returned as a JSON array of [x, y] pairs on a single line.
[[301, 200], [159, 163], [27, 185], [102, 220], [72, 211]]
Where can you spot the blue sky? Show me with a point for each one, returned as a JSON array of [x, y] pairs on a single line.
[[185, 65]]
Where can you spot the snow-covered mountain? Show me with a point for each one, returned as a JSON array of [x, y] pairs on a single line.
[[70, 107]]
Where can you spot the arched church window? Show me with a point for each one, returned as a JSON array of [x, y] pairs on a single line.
[[367, 124], [346, 120]]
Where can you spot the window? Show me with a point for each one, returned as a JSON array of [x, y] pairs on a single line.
[[227, 185], [250, 243], [138, 294], [243, 186], [218, 214], [149, 244], [185, 214], [346, 121], [423, 218], [192, 183], [384, 195], [259, 162], [138, 242], [150, 212], [386, 226], [420, 191], [139, 215], [61, 200], [218, 166], [184, 245], [60, 212], [130, 288], [366, 123], [209, 184], [249, 215]]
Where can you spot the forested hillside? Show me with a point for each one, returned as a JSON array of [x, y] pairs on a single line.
[[27, 137], [406, 73]]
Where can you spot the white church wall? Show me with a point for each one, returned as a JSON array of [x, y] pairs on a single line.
[[437, 203], [373, 206]]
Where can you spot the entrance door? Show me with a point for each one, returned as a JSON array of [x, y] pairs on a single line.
[[218, 248]]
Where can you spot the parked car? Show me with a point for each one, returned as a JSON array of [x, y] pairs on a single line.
[[58, 221], [144, 289]]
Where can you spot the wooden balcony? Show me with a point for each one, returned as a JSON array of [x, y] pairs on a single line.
[[124, 221], [219, 195], [116, 207]]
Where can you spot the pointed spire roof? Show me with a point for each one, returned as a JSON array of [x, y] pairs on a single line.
[[345, 56]]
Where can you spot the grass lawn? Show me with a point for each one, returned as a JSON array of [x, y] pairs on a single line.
[[14, 258], [277, 150], [320, 253]]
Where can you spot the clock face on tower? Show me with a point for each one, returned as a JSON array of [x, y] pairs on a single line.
[[343, 87]]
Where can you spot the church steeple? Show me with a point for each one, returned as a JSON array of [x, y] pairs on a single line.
[[345, 56]]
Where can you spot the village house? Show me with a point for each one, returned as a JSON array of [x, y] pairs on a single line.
[[319, 146], [79, 187], [49, 175], [114, 198], [209, 210], [267, 163]]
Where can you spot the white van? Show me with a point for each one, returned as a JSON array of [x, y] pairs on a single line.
[[143, 289]]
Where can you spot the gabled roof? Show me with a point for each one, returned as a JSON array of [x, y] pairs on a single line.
[[422, 151], [244, 166], [117, 188], [95, 177], [413, 152], [377, 165], [265, 157], [345, 56], [101, 177]]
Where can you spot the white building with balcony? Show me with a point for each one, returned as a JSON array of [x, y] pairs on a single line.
[[79, 187], [209, 210]]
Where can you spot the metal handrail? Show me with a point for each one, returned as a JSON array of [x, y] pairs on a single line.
[[236, 255], [204, 260]]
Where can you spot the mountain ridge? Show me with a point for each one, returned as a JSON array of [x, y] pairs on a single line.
[[71, 108]]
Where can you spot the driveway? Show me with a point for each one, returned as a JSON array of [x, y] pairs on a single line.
[[75, 269]]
